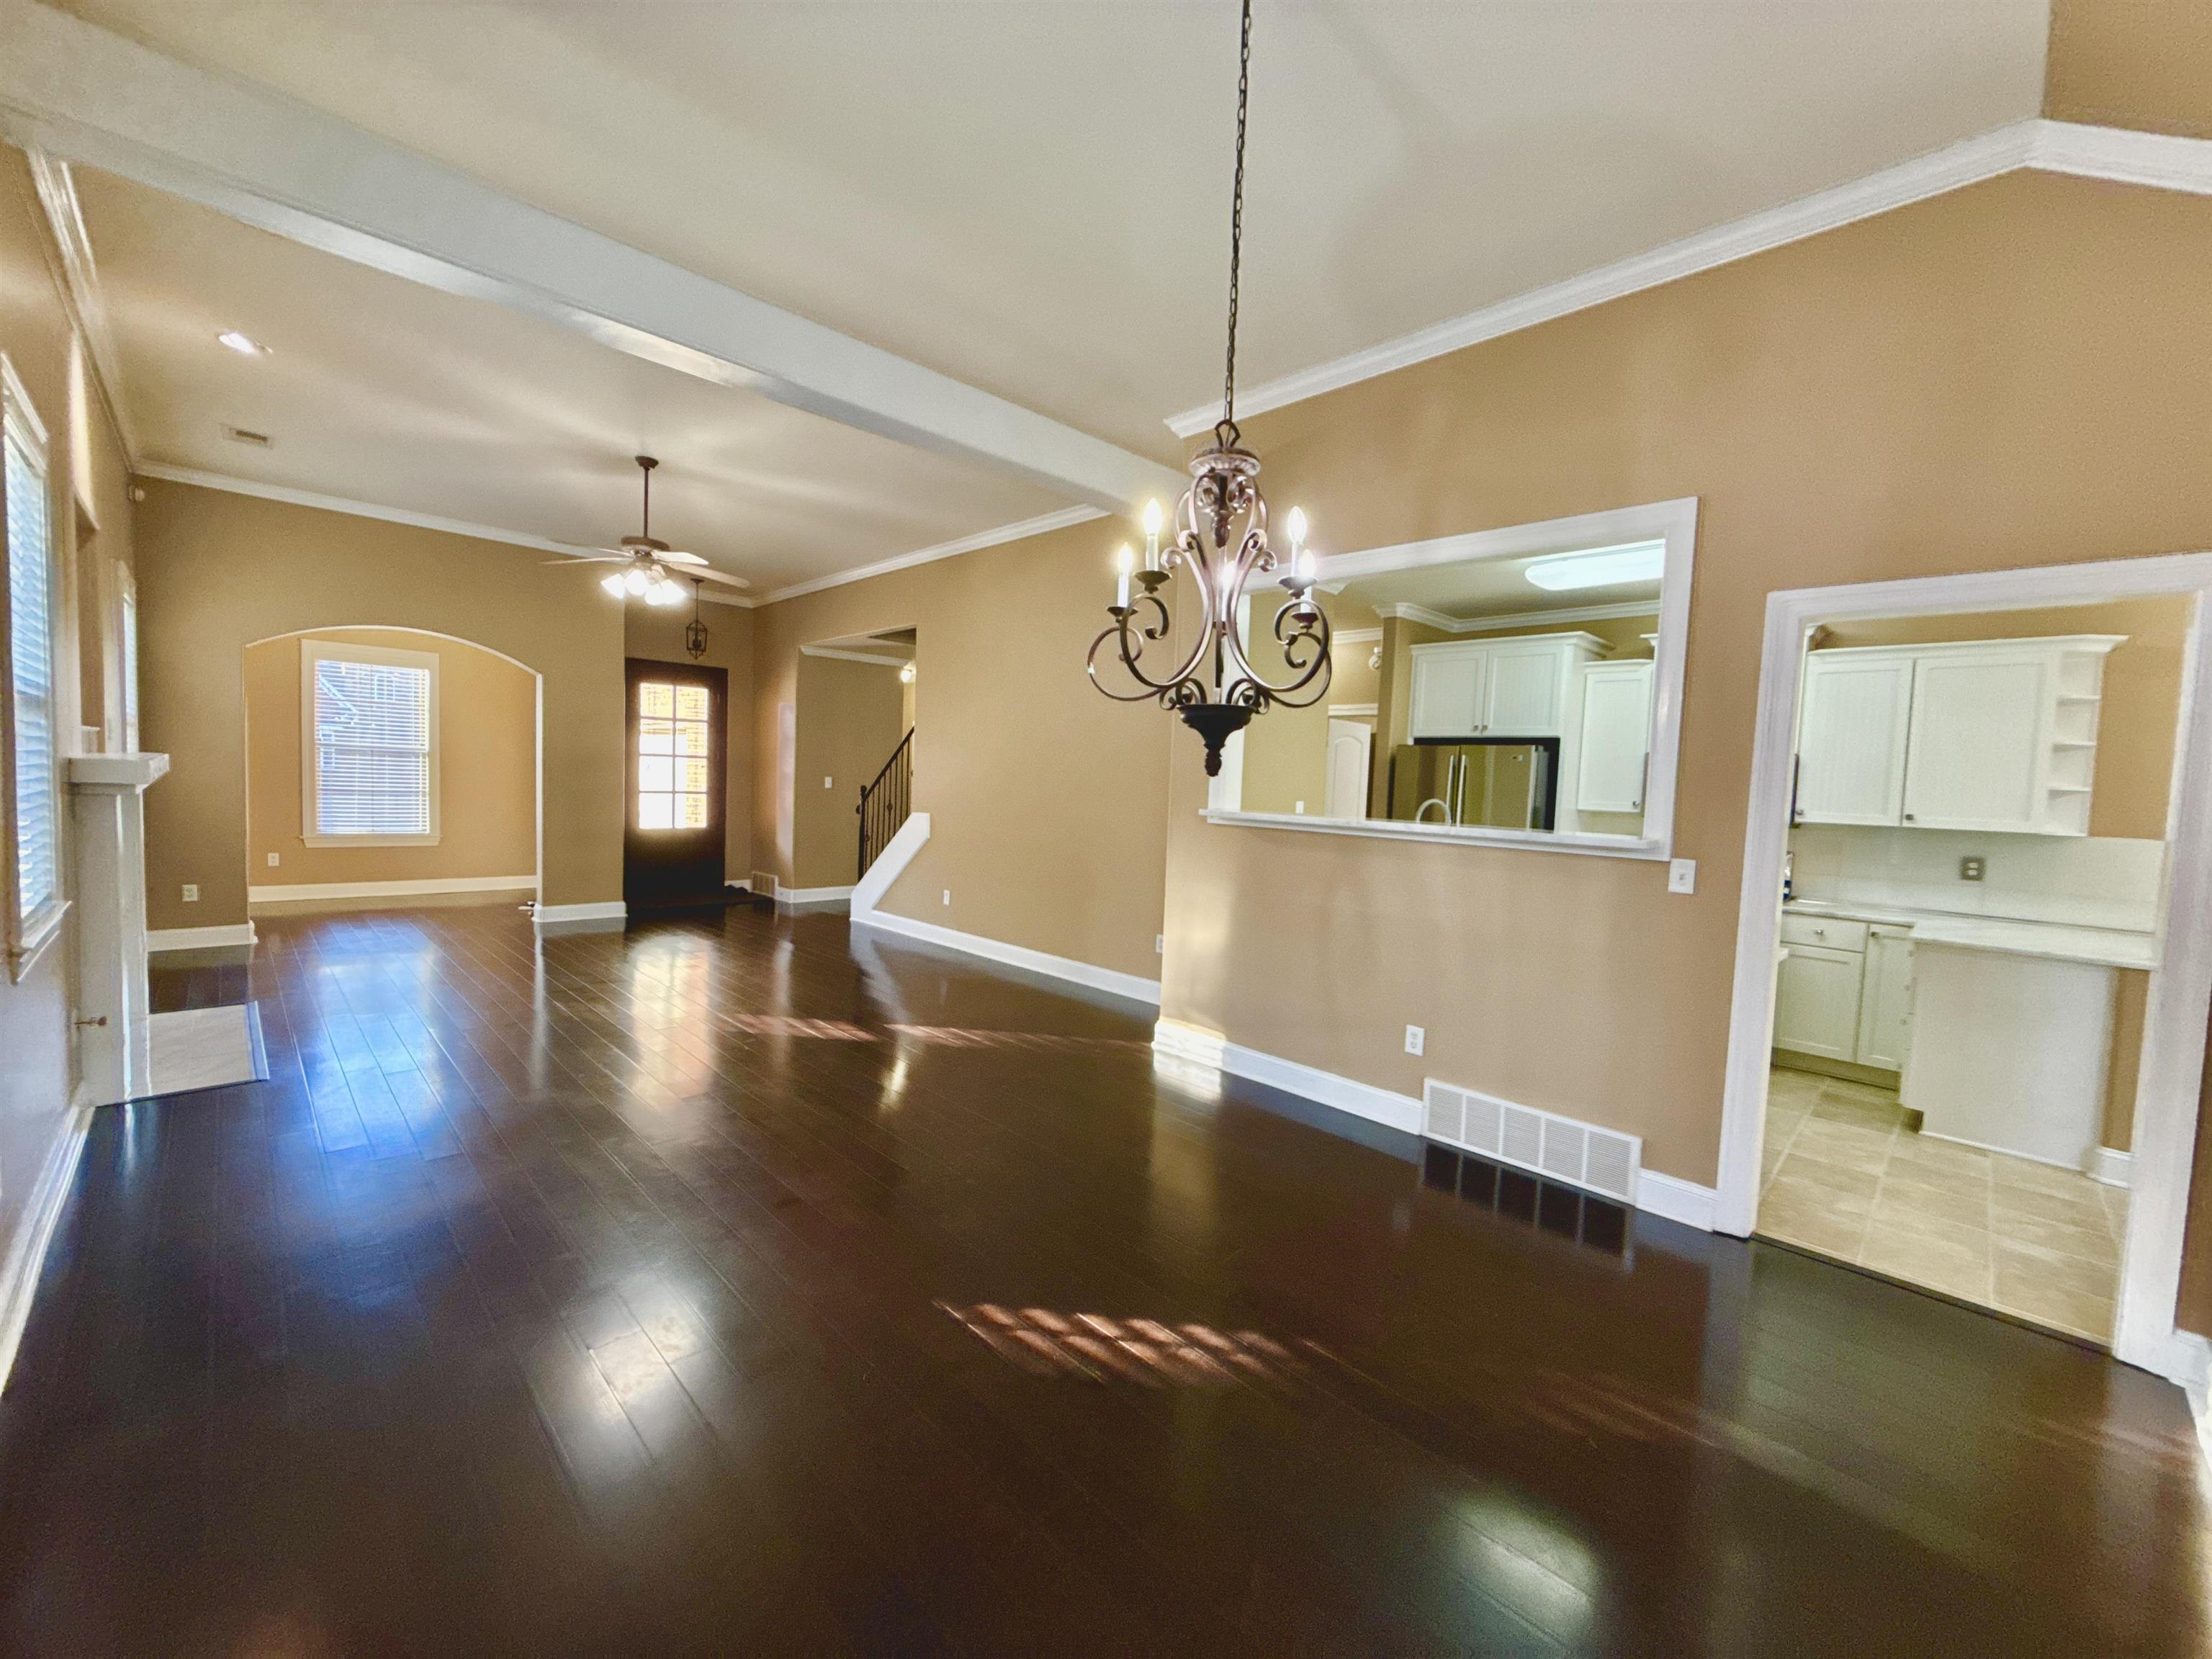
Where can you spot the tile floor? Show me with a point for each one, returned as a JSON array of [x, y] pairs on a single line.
[[1846, 1177]]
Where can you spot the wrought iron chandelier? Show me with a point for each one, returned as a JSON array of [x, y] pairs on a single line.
[[1221, 535]]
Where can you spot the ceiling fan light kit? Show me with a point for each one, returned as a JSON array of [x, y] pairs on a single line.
[[1221, 536], [646, 561]]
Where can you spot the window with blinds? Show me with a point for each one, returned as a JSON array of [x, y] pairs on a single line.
[[36, 803], [373, 720]]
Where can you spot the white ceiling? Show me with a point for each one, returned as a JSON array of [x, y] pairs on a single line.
[[1487, 587], [1032, 197], [381, 391]]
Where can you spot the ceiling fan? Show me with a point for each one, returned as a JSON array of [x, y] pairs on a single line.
[[646, 561]]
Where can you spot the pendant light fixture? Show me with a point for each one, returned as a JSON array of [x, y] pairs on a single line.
[[1221, 535], [694, 631]]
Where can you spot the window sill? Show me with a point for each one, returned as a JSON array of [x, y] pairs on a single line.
[[34, 940], [1646, 847], [371, 840]]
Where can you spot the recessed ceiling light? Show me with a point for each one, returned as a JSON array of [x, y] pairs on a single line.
[[1602, 566], [244, 345]]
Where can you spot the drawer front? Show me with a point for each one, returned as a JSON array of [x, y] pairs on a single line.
[[1826, 931]]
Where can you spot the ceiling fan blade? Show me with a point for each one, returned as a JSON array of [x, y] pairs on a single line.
[[705, 574], [674, 557], [582, 558]]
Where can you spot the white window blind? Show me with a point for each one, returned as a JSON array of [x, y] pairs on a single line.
[[31, 654], [373, 729]]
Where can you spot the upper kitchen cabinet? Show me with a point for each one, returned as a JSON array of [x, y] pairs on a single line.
[[1521, 687], [1982, 735], [1616, 746]]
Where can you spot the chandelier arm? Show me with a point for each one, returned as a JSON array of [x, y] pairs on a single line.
[[1148, 688], [1304, 632]]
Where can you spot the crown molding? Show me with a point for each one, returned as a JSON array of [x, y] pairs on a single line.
[[1503, 623], [832, 651], [2157, 159], [1355, 635], [79, 281], [1019, 531]]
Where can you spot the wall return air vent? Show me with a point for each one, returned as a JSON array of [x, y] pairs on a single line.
[[1558, 1148]]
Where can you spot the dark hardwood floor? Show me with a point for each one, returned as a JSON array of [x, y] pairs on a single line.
[[724, 1286]]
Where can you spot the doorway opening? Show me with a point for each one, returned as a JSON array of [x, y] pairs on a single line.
[[387, 766], [852, 748], [1964, 1056]]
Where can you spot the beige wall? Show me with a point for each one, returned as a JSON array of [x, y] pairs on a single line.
[[2016, 373], [2141, 63], [850, 719], [89, 485], [658, 636], [487, 767], [217, 572], [1047, 802], [2142, 692]]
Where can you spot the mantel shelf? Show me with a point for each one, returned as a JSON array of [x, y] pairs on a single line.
[[115, 771]]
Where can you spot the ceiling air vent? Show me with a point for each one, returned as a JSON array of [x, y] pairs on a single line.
[[239, 434], [1559, 1148]]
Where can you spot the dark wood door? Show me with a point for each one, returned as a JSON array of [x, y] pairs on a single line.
[[678, 721]]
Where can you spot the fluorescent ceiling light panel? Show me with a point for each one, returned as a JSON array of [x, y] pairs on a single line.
[[1602, 566]]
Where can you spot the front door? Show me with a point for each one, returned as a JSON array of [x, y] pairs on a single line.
[[672, 853]]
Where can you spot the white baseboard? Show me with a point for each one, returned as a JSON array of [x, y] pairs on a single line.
[[200, 938], [810, 895], [1675, 1198], [2113, 1169], [579, 918], [292, 892], [1364, 1100], [1016, 955], [891, 864], [1666, 1195], [34, 1230]]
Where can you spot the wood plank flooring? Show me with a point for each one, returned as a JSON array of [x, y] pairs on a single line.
[[729, 1286]]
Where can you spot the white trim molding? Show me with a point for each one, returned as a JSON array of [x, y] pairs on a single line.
[[2163, 1143], [81, 288], [1505, 623], [2114, 1169], [840, 655], [1022, 530], [791, 895], [603, 916], [35, 1231], [891, 864], [1015, 956], [2110, 153], [94, 97], [1674, 1199], [294, 892], [201, 938]]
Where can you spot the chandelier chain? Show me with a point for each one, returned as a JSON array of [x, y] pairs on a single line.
[[1228, 428]]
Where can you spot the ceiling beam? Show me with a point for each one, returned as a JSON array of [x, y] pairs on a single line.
[[87, 94]]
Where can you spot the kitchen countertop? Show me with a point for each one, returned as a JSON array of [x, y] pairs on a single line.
[[2103, 947]]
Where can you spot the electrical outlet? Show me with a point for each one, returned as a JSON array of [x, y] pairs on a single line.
[[829, 783], [272, 861], [948, 896], [1159, 944], [1299, 807], [192, 892], [1969, 869], [1417, 1039], [1682, 876]]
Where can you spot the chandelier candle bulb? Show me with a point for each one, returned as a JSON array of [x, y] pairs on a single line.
[[1124, 563], [1151, 535]]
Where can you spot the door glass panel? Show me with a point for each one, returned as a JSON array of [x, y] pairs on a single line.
[[674, 755]]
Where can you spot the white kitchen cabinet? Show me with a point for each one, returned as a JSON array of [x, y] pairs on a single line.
[[1448, 697], [1976, 735], [1816, 1001], [1857, 708], [1886, 1000], [1616, 745], [1523, 686]]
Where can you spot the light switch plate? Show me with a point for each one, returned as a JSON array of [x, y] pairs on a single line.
[[948, 896], [1682, 876], [1417, 1039], [1159, 944], [272, 861], [829, 783]]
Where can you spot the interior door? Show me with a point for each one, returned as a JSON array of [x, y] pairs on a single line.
[[1351, 747], [1851, 740], [679, 717]]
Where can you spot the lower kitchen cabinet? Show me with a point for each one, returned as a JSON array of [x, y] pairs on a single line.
[[1844, 991]]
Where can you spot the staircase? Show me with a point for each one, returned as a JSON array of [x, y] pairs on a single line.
[[886, 803]]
